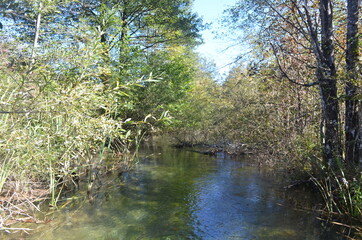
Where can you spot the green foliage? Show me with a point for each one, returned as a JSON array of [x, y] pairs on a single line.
[[51, 127], [172, 73], [250, 108], [81, 89], [193, 116]]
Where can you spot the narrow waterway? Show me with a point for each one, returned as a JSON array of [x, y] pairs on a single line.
[[175, 194]]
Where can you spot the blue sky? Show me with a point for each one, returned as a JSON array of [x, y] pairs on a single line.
[[214, 49]]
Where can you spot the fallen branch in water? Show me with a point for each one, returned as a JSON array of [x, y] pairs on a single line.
[[358, 229], [9, 229], [15, 206]]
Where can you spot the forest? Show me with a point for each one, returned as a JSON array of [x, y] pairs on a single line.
[[85, 82]]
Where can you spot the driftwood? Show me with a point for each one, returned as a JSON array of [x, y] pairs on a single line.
[[213, 149], [211, 152]]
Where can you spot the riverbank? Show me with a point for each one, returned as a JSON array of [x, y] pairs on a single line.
[[93, 185], [19, 206]]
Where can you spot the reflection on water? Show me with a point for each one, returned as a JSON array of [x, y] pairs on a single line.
[[176, 194]]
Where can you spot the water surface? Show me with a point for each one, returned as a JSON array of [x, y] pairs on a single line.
[[175, 194]]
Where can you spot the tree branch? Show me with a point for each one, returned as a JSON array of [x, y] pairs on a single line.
[[286, 75]]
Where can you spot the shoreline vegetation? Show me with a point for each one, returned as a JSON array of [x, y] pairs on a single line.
[[84, 82]]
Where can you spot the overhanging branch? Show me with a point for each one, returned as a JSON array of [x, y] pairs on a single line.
[[286, 75]]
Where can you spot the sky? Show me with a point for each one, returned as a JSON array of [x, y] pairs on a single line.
[[215, 49]]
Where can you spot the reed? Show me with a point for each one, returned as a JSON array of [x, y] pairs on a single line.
[[5, 170], [51, 133], [341, 192]]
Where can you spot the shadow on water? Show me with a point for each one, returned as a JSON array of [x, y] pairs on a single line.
[[174, 194]]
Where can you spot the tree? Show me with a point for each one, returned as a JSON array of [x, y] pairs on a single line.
[[353, 132], [30, 14], [130, 30], [127, 30], [326, 75], [293, 31]]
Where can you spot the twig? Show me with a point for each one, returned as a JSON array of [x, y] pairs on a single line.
[[358, 229], [15, 229], [286, 75]]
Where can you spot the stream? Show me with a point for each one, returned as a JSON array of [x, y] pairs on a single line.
[[178, 194]]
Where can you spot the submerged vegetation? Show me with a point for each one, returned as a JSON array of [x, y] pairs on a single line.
[[82, 82]]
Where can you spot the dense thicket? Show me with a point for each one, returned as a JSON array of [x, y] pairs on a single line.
[[81, 77], [291, 97], [309, 51], [305, 40]]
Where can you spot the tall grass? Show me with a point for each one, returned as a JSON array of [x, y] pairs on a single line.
[[51, 132], [341, 192], [5, 170]]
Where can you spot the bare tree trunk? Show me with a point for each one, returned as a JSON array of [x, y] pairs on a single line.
[[36, 38], [352, 124], [326, 74], [103, 28], [360, 136]]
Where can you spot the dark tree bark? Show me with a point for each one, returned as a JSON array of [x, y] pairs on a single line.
[[352, 125], [321, 38], [326, 73]]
